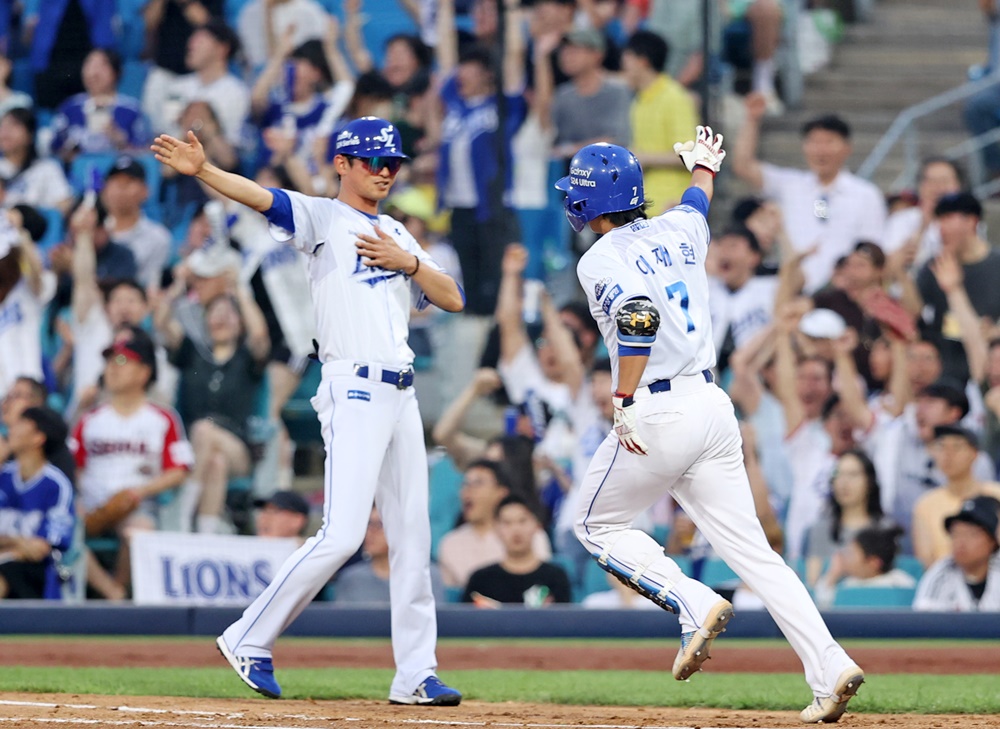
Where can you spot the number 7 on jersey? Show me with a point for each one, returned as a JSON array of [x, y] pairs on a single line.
[[680, 290]]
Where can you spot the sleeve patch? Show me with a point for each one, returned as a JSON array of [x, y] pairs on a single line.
[[613, 294], [601, 287]]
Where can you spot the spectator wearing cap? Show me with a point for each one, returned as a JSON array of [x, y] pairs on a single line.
[[367, 582], [914, 231], [825, 206], [22, 299], [283, 515], [661, 113], [37, 515], [61, 38], [468, 174], [968, 579], [901, 448], [741, 303], [129, 444], [218, 391], [209, 51], [954, 451], [28, 178], [958, 218], [123, 195], [264, 26], [30, 393], [99, 119], [590, 107]]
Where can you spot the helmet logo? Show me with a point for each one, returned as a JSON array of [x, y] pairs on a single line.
[[385, 137], [347, 138], [580, 177]]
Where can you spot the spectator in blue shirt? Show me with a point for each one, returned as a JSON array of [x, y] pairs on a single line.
[[74, 27], [99, 119], [468, 175], [37, 517]]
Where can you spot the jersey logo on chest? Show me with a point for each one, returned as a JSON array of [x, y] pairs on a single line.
[[372, 275]]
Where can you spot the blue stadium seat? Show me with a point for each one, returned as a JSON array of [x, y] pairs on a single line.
[[715, 572], [298, 414], [133, 78], [445, 484], [232, 10], [132, 38], [55, 230], [874, 598], [911, 566]]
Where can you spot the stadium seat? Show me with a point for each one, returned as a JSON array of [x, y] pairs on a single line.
[[232, 9], [445, 507], [133, 78], [911, 566], [298, 414], [715, 572], [874, 598], [55, 230]]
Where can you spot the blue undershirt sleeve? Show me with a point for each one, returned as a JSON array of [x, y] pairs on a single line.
[[280, 212], [696, 198]]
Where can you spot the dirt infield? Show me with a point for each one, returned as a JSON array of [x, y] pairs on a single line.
[[657, 657], [38, 710]]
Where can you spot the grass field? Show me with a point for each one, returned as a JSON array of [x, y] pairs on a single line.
[[883, 694]]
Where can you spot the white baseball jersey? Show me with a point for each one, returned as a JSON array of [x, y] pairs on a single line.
[[115, 452], [362, 313], [662, 259], [744, 312]]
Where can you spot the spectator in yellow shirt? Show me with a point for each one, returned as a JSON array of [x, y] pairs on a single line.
[[662, 113]]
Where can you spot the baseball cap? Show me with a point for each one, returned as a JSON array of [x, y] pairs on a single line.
[[959, 202], [50, 424], [213, 261], [286, 501], [943, 389], [586, 38], [981, 511], [126, 165], [942, 431], [822, 324], [137, 347]]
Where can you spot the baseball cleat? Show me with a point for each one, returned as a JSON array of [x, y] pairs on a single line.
[[257, 673], [829, 709], [430, 693], [695, 644]]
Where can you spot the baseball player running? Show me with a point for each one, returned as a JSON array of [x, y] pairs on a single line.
[[361, 269], [646, 284]]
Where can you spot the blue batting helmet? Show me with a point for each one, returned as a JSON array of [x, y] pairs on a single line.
[[369, 136], [603, 178]]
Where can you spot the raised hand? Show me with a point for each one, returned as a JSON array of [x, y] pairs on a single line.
[[756, 105], [515, 259], [947, 272], [705, 151], [186, 158]]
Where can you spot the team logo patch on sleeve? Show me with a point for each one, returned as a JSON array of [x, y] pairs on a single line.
[[601, 287], [613, 294], [358, 395]]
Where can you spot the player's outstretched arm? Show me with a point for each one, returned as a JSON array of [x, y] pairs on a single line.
[[188, 158]]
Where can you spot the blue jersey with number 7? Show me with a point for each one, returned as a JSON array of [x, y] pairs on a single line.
[[663, 260]]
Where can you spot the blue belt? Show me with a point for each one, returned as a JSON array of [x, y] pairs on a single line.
[[664, 385], [401, 380]]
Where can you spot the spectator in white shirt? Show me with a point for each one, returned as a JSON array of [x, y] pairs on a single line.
[[124, 193], [209, 50], [916, 227], [825, 207], [29, 179], [968, 580]]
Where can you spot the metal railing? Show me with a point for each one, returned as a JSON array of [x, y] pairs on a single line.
[[904, 129]]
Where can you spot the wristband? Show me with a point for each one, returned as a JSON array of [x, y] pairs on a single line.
[[416, 268], [709, 170], [626, 399]]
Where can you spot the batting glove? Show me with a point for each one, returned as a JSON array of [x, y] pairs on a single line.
[[625, 427], [705, 151]]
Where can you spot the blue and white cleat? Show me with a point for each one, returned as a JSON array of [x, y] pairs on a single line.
[[257, 673], [695, 645], [430, 693]]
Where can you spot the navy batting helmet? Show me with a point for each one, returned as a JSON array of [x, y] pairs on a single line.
[[603, 178], [369, 136]]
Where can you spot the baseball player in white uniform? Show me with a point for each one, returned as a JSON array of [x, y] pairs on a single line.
[[646, 283], [362, 269]]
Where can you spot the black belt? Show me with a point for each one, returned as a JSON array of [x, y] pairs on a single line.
[[401, 380], [664, 385]]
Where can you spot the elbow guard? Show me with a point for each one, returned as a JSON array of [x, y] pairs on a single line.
[[637, 321]]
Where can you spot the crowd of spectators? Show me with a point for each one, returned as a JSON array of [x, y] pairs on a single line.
[[858, 340]]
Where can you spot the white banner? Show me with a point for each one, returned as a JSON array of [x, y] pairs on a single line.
[[170, 568]]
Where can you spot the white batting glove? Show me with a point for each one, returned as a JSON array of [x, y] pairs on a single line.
[[625, 427], [705, 151]]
